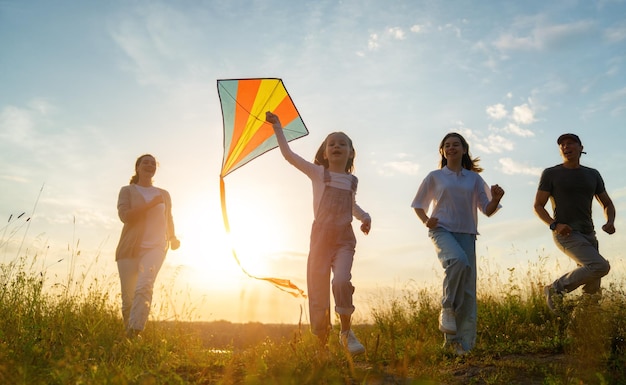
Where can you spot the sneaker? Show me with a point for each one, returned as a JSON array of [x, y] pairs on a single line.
[[132, 334], [549, 292], [447, 321], [454, 347], [350, 342], [457, 349]]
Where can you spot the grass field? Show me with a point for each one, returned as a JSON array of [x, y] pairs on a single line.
[[75, 337]]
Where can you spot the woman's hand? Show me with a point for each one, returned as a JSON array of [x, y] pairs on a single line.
[[432, 222], [156, 200], [497, 192], [366, 225]]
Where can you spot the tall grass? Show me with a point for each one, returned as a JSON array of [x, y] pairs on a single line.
[[71, 333]]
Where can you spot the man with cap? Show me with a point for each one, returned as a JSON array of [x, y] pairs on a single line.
[[571, 188]]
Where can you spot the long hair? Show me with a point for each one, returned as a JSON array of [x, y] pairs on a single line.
[[467, 161], [135, 178], [319, 155]]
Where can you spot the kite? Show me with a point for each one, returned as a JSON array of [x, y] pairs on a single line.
[[247, 135]]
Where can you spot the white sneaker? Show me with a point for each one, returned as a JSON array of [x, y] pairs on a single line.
[[447, 321], [350, 342]]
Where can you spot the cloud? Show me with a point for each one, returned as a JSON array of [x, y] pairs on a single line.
[[396, 33], [617, 99], [615, 34], [372, 42], [523, 114], [511, 167], [544, 37], [16, 125], [497, 111], [14, 178], [451, 27], [514, 129], [401, 166], [376, 40], [416, 28], [497, 143], [520, 115], [490, 144]]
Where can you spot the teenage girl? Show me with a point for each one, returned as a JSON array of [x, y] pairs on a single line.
[[456, 192]]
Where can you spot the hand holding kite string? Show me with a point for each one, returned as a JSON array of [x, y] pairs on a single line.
[[247, 135], [273, 120]]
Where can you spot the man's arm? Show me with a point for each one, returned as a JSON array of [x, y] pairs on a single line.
[[609, 212], [541, 198]]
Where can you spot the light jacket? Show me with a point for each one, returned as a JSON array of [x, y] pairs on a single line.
[[133, 230]]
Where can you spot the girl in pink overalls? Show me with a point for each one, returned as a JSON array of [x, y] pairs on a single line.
[[332, 239]]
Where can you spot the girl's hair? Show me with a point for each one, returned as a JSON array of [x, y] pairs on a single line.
[[135, 178], [319, 155], [467, 161]]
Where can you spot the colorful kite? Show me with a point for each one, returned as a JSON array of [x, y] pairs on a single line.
[[247, 135]]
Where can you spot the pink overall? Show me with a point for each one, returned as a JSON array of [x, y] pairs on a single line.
[[331, 249]]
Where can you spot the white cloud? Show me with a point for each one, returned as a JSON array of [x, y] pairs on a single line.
[[511, 167], [372, 43], [14, 178], [615, 95], [523, 114], [396, 33], [376, 40], [514, 129], [416, 28], [451, 27], [497, 111], [498, 143], [400, 167], [16, 124], [403, 165], [618, 99], [543, 37], [616, 33]]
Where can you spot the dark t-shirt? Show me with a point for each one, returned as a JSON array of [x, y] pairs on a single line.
[[571, 193]]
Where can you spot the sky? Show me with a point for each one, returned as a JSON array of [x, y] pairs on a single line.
[[87, 87]]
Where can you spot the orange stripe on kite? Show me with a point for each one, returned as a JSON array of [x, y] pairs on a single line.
[[248, 136]]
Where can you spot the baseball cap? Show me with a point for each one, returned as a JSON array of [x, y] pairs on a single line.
[[574, 137]]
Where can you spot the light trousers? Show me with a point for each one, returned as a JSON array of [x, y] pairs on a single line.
[[137, 278], [457, 255], [582, 249], [331, 251]]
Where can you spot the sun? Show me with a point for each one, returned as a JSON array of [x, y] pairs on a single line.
[[206, 249]]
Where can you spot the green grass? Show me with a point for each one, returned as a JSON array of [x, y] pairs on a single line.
[[75, 337], [71, 333]]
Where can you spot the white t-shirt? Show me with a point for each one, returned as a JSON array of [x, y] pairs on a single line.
[[455, 198], [154, 234]]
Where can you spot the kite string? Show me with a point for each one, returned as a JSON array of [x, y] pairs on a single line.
[[282, 284]]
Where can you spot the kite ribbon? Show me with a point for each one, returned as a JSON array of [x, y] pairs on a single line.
[[280, 283]]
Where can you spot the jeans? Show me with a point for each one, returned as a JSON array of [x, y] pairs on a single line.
[[457, 255], [137, 277], [582, 249]]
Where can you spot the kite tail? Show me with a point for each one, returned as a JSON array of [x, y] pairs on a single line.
[[282, 284]]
